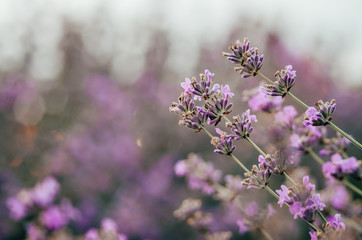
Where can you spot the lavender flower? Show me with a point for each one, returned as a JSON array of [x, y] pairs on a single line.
[[199, 174], [224, 144], [339, 167], [44, 193], [203, 89], [286, 116], [321, 114], [307, 138], [258, 177], [303, 202], [249, 58], [216, 110], [338, 144], [278, 162], [285, 81], [332, 230], [241, 125], [262, 102]]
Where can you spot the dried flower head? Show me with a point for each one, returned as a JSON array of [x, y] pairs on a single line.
[[278, 162], [258, 177]]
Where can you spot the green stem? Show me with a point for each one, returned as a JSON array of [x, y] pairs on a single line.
[[289, 178], [336, 128], [298, 100], [352, 187], [265, 78], [240, 164], [255, 146], [266, 234], [316, 157], [207, 132]]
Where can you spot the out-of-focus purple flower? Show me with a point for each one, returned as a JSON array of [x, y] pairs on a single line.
[[251, 209], [305, 138], [200, 174], [262, 102], [92, 234], [313, 235], [339, 167], [34, 233], [338, 144], [109, 224], [286, 116], [242, 227], [285, 81], [17, 208], [321, 114], [54, 218], [44, 193], [241, 125], [336, 222], [303, 202], [180, 168]]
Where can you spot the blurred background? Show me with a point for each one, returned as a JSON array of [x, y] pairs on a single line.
[[86, 86]]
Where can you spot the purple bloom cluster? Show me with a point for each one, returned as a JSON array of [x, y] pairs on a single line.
[[108, 230], [258, 177], [303, 202], [42, 195], [248, 57], [286, 116], [285, 81], [278, 162], [262, 102], [338, 144], [339, 167], [224, 144], [199, 174], [241, 125], [321, 114]]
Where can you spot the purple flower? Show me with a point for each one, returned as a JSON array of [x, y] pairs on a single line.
[[321, 114], [303, 202], [278, 162], [285, 81], [203, 88], [336, 222], [218, 109], [262, 102], [224, 144], [44, 193], [242, 227], [339, 167], [181, 168], [286, 116], [241, 125], [92, 234], [187, 86], [109, 224], [226, 91], [251, 209], [54, 218], [313, 235], [17, 208]]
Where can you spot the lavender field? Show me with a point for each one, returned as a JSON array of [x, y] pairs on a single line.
[[168, 120]]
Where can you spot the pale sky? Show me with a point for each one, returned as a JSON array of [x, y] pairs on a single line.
[[320, 28]]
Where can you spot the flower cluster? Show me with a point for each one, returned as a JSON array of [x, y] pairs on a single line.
[[108, 230], [258, 177], [259, 101], [303, 202], [241, 125], [321, 114], [248, 57], [199, 174], [338, 144], [285, 81], [339, 167], [278, 162]]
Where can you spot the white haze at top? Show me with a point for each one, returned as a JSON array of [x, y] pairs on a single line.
[[120, 30]]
